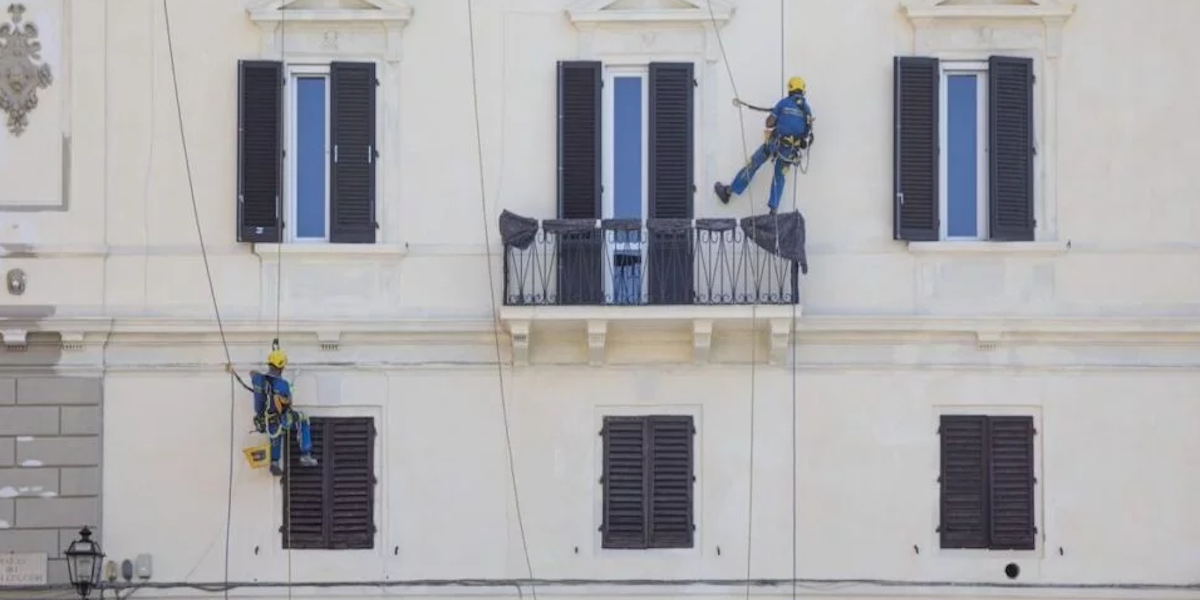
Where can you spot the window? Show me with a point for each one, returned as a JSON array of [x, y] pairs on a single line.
[[332, 506], [306, 152], [964, 149], [626, 155], [987, 482], [648, 480]]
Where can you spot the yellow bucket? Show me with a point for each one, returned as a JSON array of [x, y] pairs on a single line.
[[258, 456]]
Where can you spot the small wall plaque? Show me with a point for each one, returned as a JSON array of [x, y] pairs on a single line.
[[22, 570]]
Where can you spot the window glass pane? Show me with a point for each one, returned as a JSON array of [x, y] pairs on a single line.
[[627, 163], [962, 158], [311, 132]]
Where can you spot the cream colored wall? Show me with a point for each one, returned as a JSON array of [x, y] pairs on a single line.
[[1114, 398]]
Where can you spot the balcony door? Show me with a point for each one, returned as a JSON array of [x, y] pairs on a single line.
[[625, 179]]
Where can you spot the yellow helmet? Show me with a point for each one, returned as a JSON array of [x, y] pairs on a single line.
[[277, 358], [796, 84]]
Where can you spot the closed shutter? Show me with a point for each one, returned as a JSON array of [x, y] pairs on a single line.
[[352, 161], [915, 149], [305, 501], [579, 252], [624, 483], [671, 185], [351, 474], [1011, 483], [964, 480], [671, 482], [1011, 142], [260, 150]]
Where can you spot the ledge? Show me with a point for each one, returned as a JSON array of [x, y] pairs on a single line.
[[381, 11], [330, 250], [777, 319], [986, 247], [1033, 9], [697, 12]]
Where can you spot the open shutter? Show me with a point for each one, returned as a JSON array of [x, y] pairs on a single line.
[[671, 185], [352, 471], [579, 252], [1010, 139], [915, 149], [671, 482], [1011, 483], [305, 493], [352, 160], [624, 483], [260, 150], [964, 479]]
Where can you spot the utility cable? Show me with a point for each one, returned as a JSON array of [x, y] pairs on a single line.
[[487, 244], [753, 309], [212, 290]]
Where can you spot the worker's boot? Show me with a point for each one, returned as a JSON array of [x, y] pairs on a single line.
[[722, 191], [276, 468], [307, 460], [773, 210]]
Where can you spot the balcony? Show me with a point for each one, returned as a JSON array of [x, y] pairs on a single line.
[[702, 270]]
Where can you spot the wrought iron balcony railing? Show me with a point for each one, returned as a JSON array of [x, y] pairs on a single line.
[[625, 262]]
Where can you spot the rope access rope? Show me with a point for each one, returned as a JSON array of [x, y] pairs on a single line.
[[212, 290], [487, 244]]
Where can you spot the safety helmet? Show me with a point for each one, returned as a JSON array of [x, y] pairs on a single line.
[[277, 358], [796, 84]]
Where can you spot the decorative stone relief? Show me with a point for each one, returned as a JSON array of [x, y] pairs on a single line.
[[22, 72]]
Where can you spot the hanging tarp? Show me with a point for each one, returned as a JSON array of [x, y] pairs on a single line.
[[781, 235], [517, 231]]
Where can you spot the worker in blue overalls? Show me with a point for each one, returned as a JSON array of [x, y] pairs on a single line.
[[273, 411], [789, 133]]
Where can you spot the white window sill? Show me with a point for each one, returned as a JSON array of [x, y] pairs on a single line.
[[986, 247], [331, 250]]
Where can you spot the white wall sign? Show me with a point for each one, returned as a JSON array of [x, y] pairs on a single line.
[[18, 570]]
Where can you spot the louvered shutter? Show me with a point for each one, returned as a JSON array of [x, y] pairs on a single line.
[[352, 474], [915, 149], [671, 185], [1011, 483], [964, 480], [352, 161], [671, 482], [305, 498], [260, 150], [624, 483], [1011, 142], [579, 253]]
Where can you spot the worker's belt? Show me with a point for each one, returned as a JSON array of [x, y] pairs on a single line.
[[788, 147]]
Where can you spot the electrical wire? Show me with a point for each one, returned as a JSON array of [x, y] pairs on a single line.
[[212, 290], [487, 243], [753, 312]]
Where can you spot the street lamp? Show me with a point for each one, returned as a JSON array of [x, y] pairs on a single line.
[[84, 560]]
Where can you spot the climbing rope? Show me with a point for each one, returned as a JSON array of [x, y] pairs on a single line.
[[212, 290]]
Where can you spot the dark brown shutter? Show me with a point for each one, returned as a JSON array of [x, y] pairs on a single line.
[[624, 483], [305, 501], [260, 150], [915, 148], [351, 474], [671, 482], [1010, 111], [352, 162], [671, 167], [580, 264], [1011, 483], [964, 479]]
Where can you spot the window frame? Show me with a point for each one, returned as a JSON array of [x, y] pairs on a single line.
[[979, 69], [327, 487], [293, 72]]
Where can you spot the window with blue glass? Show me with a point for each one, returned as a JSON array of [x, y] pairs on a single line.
[[964, 149], [307, 152], [626, 181]]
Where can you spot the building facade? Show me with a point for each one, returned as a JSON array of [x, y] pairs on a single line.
[[487, 230]]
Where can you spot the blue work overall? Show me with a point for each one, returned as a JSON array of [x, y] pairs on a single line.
[[792, 116], [279, 415]]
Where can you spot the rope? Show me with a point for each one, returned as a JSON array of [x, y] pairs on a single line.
[[286, 457], [212, 290], [802, 166], [487, 242], [753, 312]]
